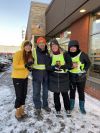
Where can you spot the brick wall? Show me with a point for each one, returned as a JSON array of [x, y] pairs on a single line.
[[80, 31], [93, 92]]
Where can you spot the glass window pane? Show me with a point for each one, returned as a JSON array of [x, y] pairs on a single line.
[[96, 25], [95, 56]]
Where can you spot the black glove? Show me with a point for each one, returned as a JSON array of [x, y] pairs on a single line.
[[28, 64], [55, 68], [63, 67]]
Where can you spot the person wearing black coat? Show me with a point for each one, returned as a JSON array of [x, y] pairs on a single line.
[[81, 64], [59, 76], [40, 77]]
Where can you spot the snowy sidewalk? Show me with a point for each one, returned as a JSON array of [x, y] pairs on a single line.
[[78, 123]]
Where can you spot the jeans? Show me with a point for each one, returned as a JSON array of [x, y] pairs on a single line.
[[37, 87]]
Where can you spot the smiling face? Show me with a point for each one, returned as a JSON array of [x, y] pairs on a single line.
[[73, 49], [27, 48], [41, 45], [54, 48]]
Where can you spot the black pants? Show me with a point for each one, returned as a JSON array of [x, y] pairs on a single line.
[[20, 91], [80, 86], [65, 100]]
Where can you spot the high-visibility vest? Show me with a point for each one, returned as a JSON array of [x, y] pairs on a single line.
[[80, 67], [59, 58], [36, 65]]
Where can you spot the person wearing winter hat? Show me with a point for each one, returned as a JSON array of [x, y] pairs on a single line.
[[40, 76], [81, 64], [59, 76], [21, 60]]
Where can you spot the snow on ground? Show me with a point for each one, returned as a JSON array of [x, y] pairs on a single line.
[[78, 123]]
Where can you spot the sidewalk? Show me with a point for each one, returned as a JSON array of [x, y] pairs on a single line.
[[78, 123]]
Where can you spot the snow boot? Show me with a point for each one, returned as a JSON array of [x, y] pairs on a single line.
[[72, 103], [22, 111], [58, 114], [81, 105], [18, 114], [47, 109], [38, 114], [68, 113]]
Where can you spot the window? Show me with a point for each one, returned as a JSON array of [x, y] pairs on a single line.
[[95, 48]]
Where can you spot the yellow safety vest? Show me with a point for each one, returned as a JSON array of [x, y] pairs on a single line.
[[80, 67], [36, 65], [59, 58]]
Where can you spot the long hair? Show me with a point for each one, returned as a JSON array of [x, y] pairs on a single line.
[[27, 56]]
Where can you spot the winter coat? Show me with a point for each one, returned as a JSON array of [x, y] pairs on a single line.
[[18, 66], [84, 59], [81, 77], [42, 58], [59, 82]]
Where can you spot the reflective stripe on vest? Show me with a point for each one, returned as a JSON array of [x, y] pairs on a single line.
[[59, 58], [36, 65], [80, 68]]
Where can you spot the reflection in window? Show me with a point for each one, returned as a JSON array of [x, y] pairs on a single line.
[[95, 49]]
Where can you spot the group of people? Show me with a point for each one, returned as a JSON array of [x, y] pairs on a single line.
[[56, 70]]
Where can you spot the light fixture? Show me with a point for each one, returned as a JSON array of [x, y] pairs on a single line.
[[98, 21], [98, 13], [82, 10], [68, 32]]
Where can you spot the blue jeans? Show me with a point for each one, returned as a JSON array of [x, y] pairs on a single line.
[[37, 87]]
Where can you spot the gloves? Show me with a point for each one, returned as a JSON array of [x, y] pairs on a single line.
[[28, 66], [63, 67], [55, 68]]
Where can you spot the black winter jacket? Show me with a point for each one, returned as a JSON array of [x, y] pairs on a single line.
[[81, 77], [59, 82]]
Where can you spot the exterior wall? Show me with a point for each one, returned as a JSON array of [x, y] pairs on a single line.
[[80, 32], [65, 15], [59, 10], [36, 21], [93, 89]]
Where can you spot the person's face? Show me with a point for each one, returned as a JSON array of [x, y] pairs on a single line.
[[54, 48], [27, 48], [73, 49], [41, 45]]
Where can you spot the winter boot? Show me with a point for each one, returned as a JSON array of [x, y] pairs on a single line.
[[38, 114], [47, 109], [58, 114], [81, 105], [22, 111], [68, 113], [72, 103], [18, 114]]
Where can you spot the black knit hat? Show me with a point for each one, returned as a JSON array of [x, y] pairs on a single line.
[[73, 43], [54, 41]]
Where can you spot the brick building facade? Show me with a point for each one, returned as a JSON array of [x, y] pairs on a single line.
[[82, 20]]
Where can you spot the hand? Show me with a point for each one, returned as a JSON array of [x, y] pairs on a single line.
[[30, 63], [26, 65], [75, 65], [55, 68], [63, 67]]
